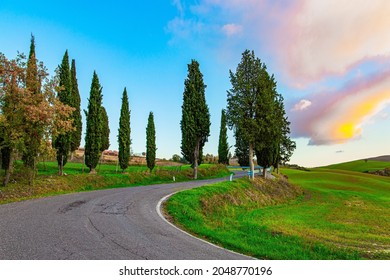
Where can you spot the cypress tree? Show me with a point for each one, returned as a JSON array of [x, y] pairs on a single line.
[[195, 122], [105, 142], [267, 114], [62, 142], [150, 143], [76, 115], [242, 150], [32, 79], [124, 130], [33, 132], [223, 146], [249, 109], [94, 125]]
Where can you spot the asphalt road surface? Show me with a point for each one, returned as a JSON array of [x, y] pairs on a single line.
[[109, 224]]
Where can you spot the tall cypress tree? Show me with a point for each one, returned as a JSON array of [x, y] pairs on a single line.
[[124, 130], [151, 143], [94, 125], [223, 146], [195, 122], [105, 142], [76, 115], [62, 142], [33, 85]]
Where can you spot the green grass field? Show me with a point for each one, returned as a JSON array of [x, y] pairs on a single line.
[[340, 215], [48, 183], [360, 165]]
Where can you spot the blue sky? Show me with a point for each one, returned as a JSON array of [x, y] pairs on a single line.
[[326, 62]]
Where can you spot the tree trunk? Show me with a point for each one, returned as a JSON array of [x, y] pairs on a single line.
[[252, 166], [72, 155], [61, 167], [92, 171], [196, 157], [8, 170], [31, 172], [277, 168], [264, 172]]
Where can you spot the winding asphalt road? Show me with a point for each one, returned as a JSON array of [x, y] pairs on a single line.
[[109, 224]]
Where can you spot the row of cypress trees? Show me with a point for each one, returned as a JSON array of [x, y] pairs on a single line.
[[255, 111], [97, 123], [97, 130], [68, 94]]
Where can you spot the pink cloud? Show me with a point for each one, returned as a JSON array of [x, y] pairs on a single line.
[[310, 39], [340, 116], [316, 39]]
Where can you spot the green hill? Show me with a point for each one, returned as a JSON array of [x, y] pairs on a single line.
[[361, 165]]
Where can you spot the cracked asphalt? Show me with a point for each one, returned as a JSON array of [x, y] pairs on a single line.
[[107, 224]]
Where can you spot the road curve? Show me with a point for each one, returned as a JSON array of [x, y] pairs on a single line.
[[107, 224]]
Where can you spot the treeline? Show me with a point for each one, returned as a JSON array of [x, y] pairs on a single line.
[[41, 117]]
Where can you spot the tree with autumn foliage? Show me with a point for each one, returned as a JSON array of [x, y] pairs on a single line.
[[33, 130], [25, 105]]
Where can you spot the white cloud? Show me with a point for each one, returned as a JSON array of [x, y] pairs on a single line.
[[301, 105]]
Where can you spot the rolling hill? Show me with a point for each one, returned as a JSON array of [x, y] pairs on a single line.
[[381, 158], [362, 165]]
